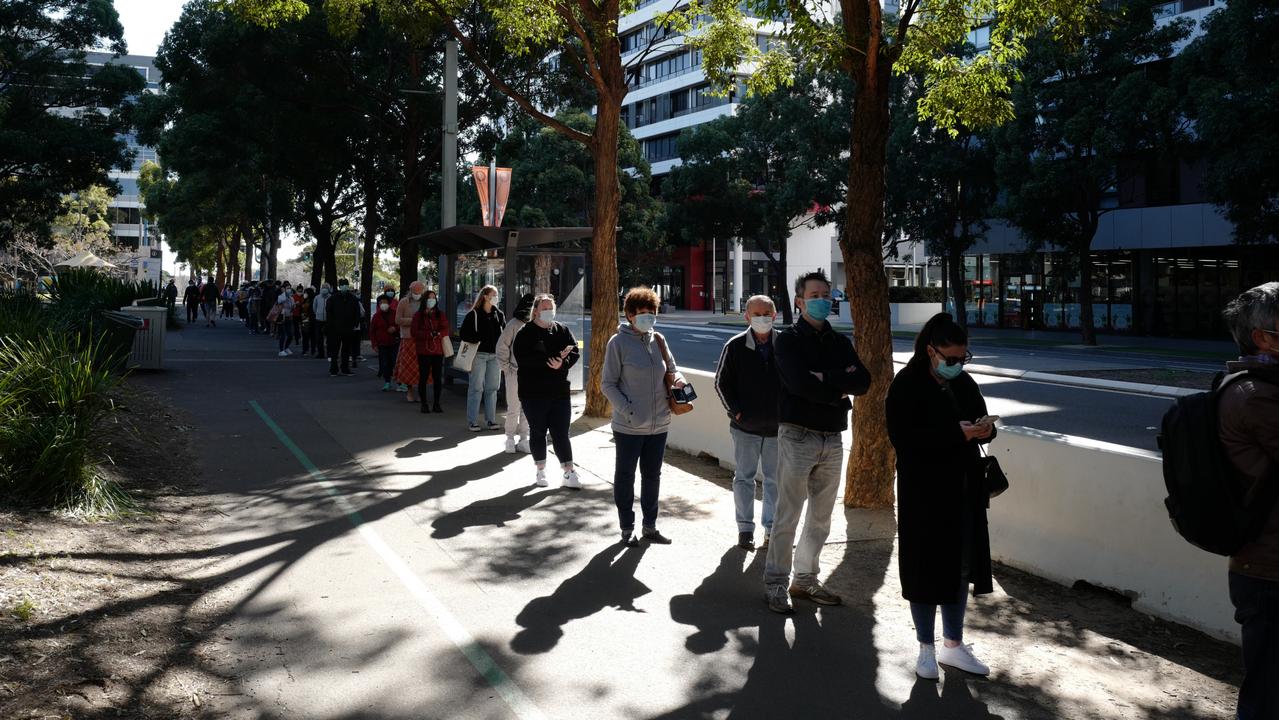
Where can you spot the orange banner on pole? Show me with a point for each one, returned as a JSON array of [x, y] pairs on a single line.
[[493, 198], [481, 175], [503, 194]]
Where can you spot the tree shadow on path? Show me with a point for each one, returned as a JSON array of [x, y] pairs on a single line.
[[494, 511]]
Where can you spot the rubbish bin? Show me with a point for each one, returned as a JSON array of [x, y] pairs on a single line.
[[119, 337], [148, 342]]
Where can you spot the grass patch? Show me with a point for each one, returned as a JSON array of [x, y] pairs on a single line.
[[24, 610]]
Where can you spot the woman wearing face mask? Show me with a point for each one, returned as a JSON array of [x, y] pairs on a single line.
[[320, 312], [943, 545], [483, 325], [634, 380], [544, 351], [407, 374], [384, 337], [429, 329]]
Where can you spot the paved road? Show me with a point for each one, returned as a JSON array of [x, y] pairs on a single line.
[[1116, 417]]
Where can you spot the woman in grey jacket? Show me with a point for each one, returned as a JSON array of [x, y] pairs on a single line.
[[634, 380]]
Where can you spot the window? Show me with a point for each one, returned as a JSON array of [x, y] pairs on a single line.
[[661, 147]]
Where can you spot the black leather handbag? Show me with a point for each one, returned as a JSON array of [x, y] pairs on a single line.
[[996, 482]]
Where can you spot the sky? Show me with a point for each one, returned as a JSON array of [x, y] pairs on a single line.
[[145, 23]]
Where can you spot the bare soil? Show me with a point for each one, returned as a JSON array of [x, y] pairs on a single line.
[[97, 618]]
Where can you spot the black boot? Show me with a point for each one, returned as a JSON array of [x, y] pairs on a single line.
[[426, 408]]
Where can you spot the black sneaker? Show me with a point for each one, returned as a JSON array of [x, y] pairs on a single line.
[[746, 541], [347, 373], [426, 408], [436, 408], [628, 539], [332, 374], [656, 537]]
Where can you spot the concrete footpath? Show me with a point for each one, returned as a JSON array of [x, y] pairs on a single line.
[[381, 563]]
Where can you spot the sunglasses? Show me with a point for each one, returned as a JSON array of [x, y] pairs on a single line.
[[952, 361]]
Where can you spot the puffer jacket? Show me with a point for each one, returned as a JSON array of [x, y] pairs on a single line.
[[634, 381], [1249, 419]]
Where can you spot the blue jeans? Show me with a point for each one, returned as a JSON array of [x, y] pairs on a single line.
[[808, 469], [647, 451], [1256, 604], [752, 453], [952, 618], [386, 357], [284, 332], [486, 376]]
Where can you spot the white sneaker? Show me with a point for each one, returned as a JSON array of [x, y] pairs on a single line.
[[288, 351], [523, 447], [961, 658], [282, 353], [571, 480], [510, 445], [541, 478], [926, 665]]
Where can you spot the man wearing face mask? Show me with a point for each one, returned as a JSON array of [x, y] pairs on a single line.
[[320, 314], [749, 387], [344, 319], [1248, 419], [819, 371]]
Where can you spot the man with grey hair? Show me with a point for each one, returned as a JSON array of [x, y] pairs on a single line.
[[1249, 419], [750, 389]]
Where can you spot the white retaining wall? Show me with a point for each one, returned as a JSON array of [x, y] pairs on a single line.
[[1077, 509]]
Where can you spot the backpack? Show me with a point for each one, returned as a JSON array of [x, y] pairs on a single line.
[[1206, 501]]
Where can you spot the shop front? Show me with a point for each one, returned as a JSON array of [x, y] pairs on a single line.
[[1172, 292]]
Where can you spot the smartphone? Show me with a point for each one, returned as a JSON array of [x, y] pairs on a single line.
[[987, 420], [685, 394]]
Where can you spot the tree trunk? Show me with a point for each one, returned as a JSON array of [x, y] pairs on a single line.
[[246, 232], [236, 237], [220, 264], [604, 240], [869, 482], [414, 194], [541, 274], [1083, 249], [778, 264], [958, 291], [369, 251]]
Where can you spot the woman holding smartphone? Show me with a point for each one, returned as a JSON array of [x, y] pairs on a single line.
[[936, 421]]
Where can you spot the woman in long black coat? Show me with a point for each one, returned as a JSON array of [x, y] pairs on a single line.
[[943, 545]]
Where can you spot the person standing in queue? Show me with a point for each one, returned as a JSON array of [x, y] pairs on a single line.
[[634, 381], [407, 372], [517, 434], [428, 330], [343, 319], [544, 351], [937, 421], [384, 337], [819, 370], [483, 325], [750, 389]]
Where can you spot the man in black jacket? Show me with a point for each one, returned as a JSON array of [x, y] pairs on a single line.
[[210, 294], [343, 326], [191, 298], [748, 386], [819, 370]]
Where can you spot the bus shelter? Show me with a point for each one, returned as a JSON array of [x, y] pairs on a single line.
[[515, 261]]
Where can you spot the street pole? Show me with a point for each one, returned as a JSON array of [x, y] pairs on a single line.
[[714, 274], [448, 170]]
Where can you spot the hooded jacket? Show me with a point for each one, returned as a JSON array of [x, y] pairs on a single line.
[[634, 381]]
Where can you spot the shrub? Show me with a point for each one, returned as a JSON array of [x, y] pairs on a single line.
[[54, 397], [915, 295]]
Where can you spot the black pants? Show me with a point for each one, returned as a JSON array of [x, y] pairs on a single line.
[[321, 336], [308, 338], [646, 451], [432, 365], [386, 357], [193, 312], [1257, 612], [339, 352], [548, 415]]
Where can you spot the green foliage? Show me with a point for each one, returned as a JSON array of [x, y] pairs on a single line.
[[54, 139], [913, 294], [24, 610], [80, 296], [1230, 77]]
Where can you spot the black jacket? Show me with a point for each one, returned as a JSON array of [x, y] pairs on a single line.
[[210, 293], [810, 403], [343, 313], [192, 295], [748, 383], [940, 497], [532, 347], [483, 328]]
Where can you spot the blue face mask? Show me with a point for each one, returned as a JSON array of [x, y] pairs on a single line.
[[817, 308], [948, 372], [644, 322]]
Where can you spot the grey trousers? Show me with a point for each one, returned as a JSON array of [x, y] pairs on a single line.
[[808, 469]]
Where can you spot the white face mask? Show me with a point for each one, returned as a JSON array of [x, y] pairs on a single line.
[[762, 324], [416, 296], [384, 307], [546, 316]]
